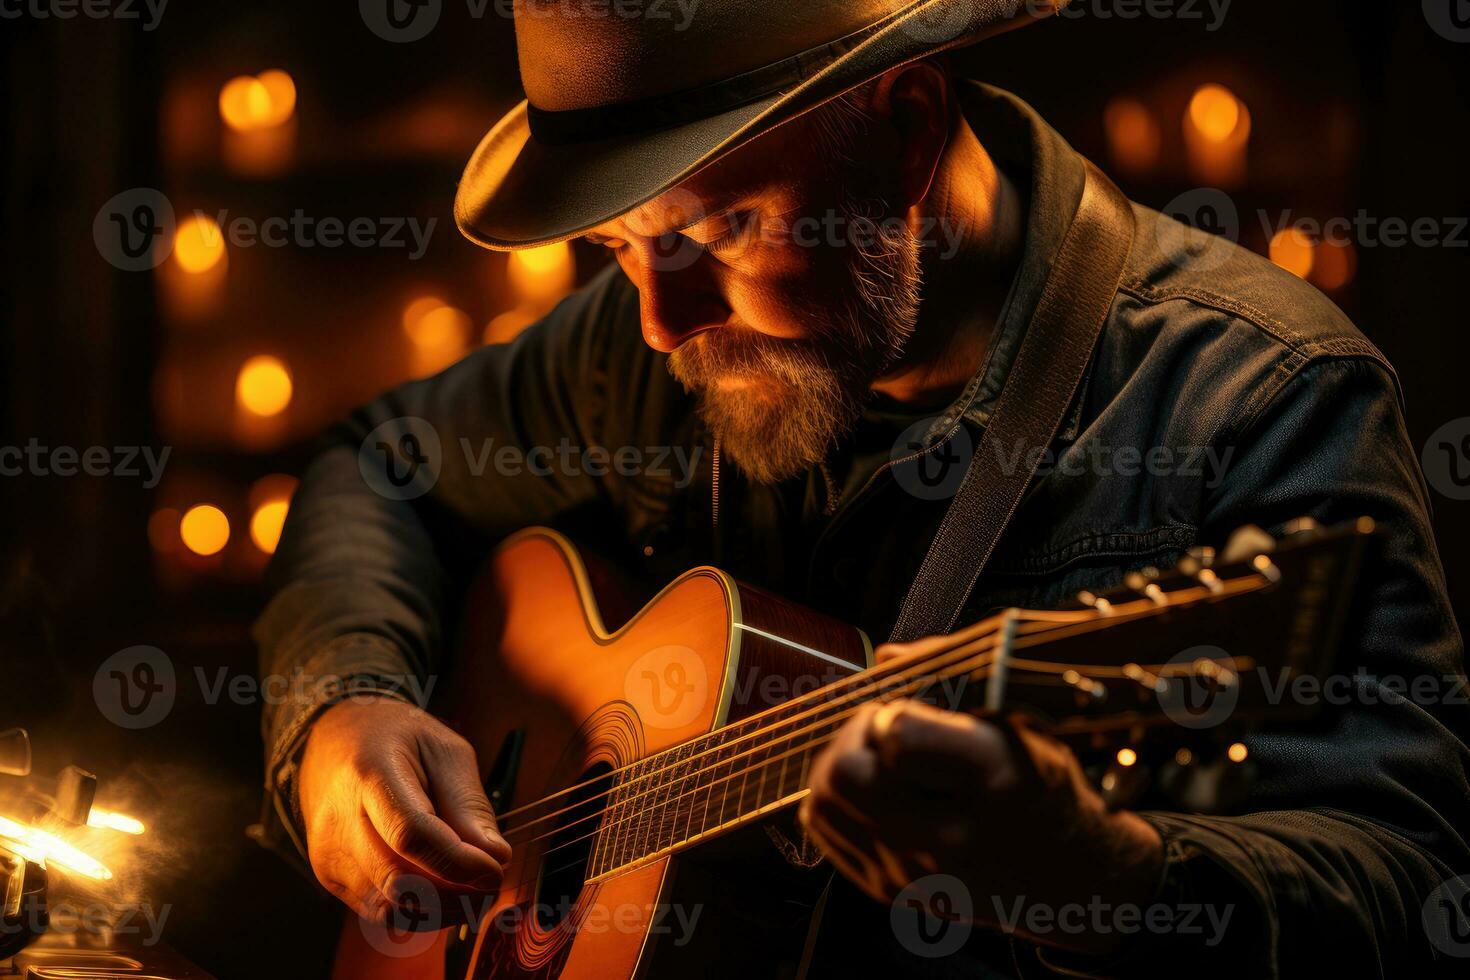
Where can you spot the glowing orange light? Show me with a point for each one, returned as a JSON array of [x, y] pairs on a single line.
[[1218, 115], [542, 274], [440, 328], [417, 310], [508, 325], [1238, 752], [205, 529], [37, 845], [263, 385], [199, 244], [1127, 758], [1133, 135], [266, 524], [257, 102], [281, 90], [1294, 251], [1334, 265], [112, 820]]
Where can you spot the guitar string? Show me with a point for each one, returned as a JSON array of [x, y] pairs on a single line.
[[1034, 622], [1038, 667], [1084, 628], [833, 724], [910, 666], [990, 623]]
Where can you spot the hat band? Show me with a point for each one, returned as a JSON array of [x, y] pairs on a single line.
[[646, 115]]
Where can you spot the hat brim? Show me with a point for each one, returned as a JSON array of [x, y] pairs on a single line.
[[518, 192]]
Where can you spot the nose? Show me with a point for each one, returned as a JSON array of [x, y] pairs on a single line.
[[677, 300]]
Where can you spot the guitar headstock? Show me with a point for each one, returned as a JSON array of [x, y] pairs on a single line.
[[1158, 682]]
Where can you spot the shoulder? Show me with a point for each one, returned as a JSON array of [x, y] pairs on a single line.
[[1211, 328]]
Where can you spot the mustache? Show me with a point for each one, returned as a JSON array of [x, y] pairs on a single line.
[[742, 352]]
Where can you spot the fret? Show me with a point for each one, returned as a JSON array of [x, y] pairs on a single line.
[[607, 828], [707, 777], [630, 823], [658, 801]]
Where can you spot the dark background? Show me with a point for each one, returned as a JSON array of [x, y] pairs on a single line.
[[1353, 106]]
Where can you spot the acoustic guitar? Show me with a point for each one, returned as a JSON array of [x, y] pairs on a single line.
[[632, 769]]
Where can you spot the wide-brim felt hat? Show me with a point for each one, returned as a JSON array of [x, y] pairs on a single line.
[[628, 98]]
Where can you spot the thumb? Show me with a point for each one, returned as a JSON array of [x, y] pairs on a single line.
[[454, 785]]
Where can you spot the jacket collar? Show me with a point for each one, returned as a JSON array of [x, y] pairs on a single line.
[[1051, 174]]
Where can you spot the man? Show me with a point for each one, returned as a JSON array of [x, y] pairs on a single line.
[[832, 251]]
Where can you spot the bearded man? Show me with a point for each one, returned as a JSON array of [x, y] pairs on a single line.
[[832, 256]]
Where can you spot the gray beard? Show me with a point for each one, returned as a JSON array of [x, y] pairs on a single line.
[[800, 398]]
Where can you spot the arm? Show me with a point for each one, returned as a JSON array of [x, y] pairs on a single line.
[[362, 584], [1351, 830]]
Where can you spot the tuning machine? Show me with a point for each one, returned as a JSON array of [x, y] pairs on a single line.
[[1210, 777]]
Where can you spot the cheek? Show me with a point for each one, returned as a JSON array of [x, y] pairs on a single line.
[[791, 283]]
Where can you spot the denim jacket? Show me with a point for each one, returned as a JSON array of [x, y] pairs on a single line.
[[1224, 391]]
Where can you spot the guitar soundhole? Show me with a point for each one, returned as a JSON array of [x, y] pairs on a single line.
[[564, 862]]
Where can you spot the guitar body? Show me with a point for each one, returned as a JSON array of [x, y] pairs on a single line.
[[551, 696], [636, 759]]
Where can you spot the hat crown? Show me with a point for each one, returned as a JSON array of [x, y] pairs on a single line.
[[581, 54]]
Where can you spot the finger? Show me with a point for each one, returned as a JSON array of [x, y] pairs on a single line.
[[942, 751], [454, 784], [844, 773], [928, 645], [402, 885], [403, 817]]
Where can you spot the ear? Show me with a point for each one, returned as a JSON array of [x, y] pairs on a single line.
[[917, 99]]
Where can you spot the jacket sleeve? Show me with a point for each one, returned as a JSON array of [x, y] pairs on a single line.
[[405, 498], [1352, 830]]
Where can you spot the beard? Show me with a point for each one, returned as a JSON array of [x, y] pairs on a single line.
[[778, 407]]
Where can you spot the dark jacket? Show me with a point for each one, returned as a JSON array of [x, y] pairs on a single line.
[[1261, 402]]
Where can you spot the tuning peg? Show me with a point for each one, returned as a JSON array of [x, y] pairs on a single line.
[[1152, 683], [1247, 541], [1103, 606], [1094, 690], [1202, 555], [1144, 583], [1300, 525], [1267, 569]]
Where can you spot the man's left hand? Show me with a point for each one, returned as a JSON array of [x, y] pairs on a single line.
[[906, 790]]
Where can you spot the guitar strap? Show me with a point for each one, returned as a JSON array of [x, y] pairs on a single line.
[[1042, 383]]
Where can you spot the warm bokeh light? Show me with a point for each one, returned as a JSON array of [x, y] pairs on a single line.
[[205, 529], [1217, 130], [1134, 136], [1217, 114], [1127, 758], [439, 328], [266, 524], [505, 327], [112, 820], [199, 244], [257, 102], [544, 274], [1294, 250], [1238, 752], [281, 90], [263, 386], [38, 845], [243, 102], [1334, 265], [417, 310]]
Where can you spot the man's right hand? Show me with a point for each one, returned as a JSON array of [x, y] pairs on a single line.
[[391, 796]]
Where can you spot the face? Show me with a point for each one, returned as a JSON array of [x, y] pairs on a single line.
[[782, 285]]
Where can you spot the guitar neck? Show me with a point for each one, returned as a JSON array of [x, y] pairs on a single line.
[[1119, 665]]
